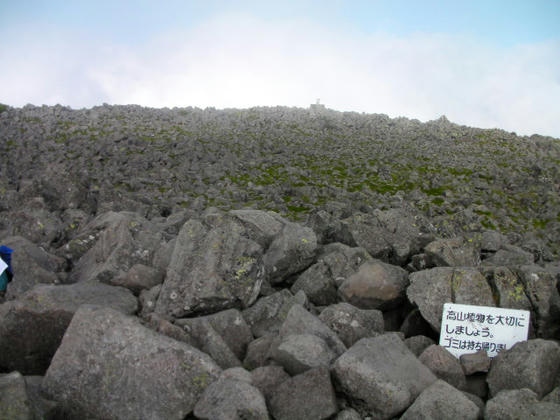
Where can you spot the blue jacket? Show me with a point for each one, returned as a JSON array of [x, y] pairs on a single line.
[[6, 255]]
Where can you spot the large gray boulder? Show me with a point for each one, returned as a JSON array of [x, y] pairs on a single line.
[[291, 252], [391, 236], [510, 255], [444, 365], [212, 268], [113, 244], [351, 323], [32, 326], [110, 366], [455, 252], [300, 352], [228, 399], [521, 403], [307, 396], [300, 321], [318, 285], [533, 364], [261, 226], [382, 375], [139, 277], [508, 289], [224, 335], [208, 340], [31, 265], [442, 401], [542, 289], [267, 378], [430, 289], [343, 261], [376, 285]]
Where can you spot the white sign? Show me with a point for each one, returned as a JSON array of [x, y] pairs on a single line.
[[467, 329], [3, 265]]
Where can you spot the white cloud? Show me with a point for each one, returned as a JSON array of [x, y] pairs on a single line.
[[239, 61]]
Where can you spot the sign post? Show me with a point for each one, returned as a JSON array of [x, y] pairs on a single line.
[[467, 328]]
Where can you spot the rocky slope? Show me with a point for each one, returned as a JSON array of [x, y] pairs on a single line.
[[271, 263]]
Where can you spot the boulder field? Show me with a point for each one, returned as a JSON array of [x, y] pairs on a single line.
[[155, 280]]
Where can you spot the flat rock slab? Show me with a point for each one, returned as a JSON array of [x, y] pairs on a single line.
[[110, 366], [383, 374], [32, 327]]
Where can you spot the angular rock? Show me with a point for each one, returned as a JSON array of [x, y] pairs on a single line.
[[391, 236], [376, 285], [381, 374], [298, 353], [124, 370], [126, 239], [418, 343], [430, 289], [508, 289], [231, 399], [351, 323], [455, 252], [232, 327], [492, 241], [139, 277], [533, 364], [258, 352], [444, 365], [475, 362], [261, 226], [267, 379], [309, 395], [300, 321], [32, 326], [291, 252], [441, 401], [542, 289], [14, 401], [519, 404], [31, 266], [211, 269], [343, 261], [268, 313], [318, 285], [209, 341]]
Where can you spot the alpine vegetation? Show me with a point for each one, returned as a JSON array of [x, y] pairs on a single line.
[[271, 263]]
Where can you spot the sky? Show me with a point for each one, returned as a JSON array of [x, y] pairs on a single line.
[[489, 64]]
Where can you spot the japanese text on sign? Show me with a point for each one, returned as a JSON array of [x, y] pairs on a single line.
[[467, 328]]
